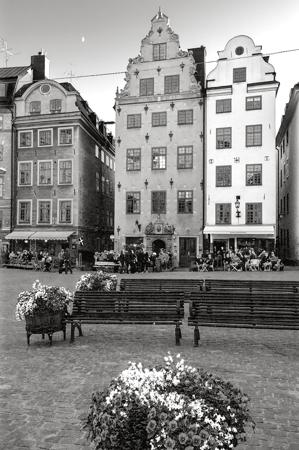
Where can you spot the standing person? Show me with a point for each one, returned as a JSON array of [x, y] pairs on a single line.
[[67, 261], [121, 259], [61, 260], [153, 258]]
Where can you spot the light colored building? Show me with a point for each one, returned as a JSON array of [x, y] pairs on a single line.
[[240, 159], [159, 147], [287, 142], [11, 78], [63, 169]]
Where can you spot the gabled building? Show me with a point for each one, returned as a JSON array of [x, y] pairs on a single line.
[[159, 147], [240, 148], [287, 142], [11, 79], [63, 169]]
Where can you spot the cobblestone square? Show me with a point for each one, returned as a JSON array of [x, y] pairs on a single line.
[[45, 391]]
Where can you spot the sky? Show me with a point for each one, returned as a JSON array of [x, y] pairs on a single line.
[[99, 36]]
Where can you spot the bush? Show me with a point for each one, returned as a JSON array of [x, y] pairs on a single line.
[[97, 281], [174, 406]]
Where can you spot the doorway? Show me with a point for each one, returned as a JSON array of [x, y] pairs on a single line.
[[157, 245], [187, 251]]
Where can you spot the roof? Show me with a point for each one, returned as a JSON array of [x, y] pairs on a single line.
[[67, 86], [12, 72]]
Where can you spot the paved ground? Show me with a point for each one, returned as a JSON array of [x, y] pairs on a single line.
[[45, 391]]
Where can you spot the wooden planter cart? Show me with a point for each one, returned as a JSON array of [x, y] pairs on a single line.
[[46, 323]]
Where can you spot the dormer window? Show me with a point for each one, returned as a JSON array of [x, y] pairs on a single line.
[[35, 107], [159, 51], [55, 105]]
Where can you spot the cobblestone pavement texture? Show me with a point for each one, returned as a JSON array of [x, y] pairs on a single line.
[[45, 391]]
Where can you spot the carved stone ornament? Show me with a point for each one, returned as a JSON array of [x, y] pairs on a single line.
[[172, 35], [182, 53], [149, 229], [159, 228], [125, 91], [147, 39]]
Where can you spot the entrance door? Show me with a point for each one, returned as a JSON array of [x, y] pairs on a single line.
[[187, 251], [157, 245]]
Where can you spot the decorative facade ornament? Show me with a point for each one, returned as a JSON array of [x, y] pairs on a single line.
[[159, 228]]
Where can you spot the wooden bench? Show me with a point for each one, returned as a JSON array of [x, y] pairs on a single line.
[[132, 307], [264, 285], [160, 284], [247, 309], [106, 266]]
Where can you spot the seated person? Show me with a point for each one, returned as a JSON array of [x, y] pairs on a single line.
[[199, 261], [265, 261], [273, 260], [235, 261], [209, 262]]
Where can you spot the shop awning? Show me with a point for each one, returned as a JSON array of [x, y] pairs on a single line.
[[241, 230], [50, 235], [21, 234]]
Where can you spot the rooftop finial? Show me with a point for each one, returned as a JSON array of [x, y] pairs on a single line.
[[160, 15]]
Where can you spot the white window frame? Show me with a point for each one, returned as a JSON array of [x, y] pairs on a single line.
[[25, 131], [38, 171], [59, 182], [65, 128], [102, 156], [23, 200], [38, 133], [51, 211], [58, 211], [31, 170]]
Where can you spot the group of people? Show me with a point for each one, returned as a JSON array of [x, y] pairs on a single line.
[[132, 260], [64, 260], [244, 259], [39, 260]]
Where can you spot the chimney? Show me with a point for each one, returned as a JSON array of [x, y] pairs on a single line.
[[40, 66]]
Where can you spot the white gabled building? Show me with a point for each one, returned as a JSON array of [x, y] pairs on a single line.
[[240, 160], [159, 147]]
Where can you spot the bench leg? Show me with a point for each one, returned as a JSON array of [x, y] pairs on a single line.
[[196, 336], [50, 338], [28, 338], [178, 334], [72, 332]]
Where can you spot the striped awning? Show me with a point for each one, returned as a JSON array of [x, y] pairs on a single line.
[[21, 234], [50, 235]]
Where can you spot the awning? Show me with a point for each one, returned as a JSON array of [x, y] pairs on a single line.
[[22, 235], [50, 235], [241, 230]]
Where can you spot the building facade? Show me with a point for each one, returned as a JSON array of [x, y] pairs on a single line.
[[240, 158], [11, 78], [287, 142], [159, 147], [63, 170]]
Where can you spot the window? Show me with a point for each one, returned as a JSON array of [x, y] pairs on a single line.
[[159, 51], [25, 139], [223, 137], [24, 215], [253, 103], [1, 186], [133, 202], [223, 106], [55, 105], [134, 121], [253, 174], [253, 135], [102, 156], [287, 208], [44, 211], [103, 184], [1, 122], [2, 89], [158, 158], [239, 74], [45, 137], [1, 152], [96, 151], [223, 213], [158, 202], [98, 184], [185, 157], [65, 136], [133, 159], [185, 117], [65, 171], [65, 211], [35, 107], [171, 84], [253, 213], [185, 202], [147, 86], [223, 176], [25, 173], [159, 119], [44, 172]]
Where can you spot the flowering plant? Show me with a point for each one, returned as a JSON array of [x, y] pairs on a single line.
[[41, 299], [172, 407], [97, 281]]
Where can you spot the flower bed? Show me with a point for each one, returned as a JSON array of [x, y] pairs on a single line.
[[42, 299], [174, 406], [97, 281]]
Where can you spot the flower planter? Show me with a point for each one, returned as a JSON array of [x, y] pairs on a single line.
[[46, 323]]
